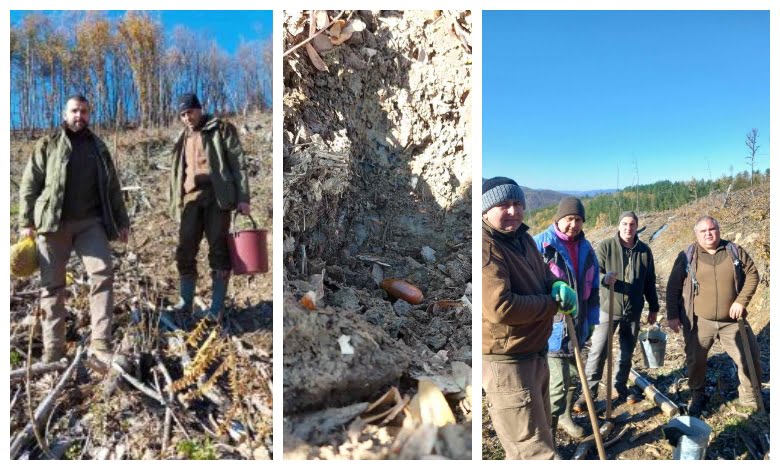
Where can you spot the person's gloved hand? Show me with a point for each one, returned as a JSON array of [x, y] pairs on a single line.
[[566, 298]]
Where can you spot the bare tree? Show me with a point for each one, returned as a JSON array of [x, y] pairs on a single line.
[[751, 141]]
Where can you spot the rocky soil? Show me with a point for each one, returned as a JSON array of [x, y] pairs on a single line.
[[377, 185], [99, 414]]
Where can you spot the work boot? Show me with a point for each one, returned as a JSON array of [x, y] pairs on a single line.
[[219, 287], [52, 354], [634, 396], [186, 294], [565, 421], [556, 455], [747, 400], [699, 400], [581, 405], [105, 356]]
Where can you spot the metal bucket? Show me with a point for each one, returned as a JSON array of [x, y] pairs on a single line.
[[653, 342], [689, 436], [248, 249]]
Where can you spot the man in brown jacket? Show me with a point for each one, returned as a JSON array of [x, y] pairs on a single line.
[[520, 296], [709, 289], [208, 181]]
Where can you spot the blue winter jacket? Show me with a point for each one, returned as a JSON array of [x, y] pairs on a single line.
[[585, 282]]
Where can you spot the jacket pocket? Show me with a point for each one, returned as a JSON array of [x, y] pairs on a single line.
[[512, 415], [39, 212]]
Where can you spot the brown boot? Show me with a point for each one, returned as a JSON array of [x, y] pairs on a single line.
[[52, 354]]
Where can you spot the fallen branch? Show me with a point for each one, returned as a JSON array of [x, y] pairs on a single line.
[[37, 369], [306, 41], [617, 438], [667, 406], [41, 413], [138, 384]]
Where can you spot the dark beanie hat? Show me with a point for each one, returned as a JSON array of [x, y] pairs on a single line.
[[629, 214], [188, 101], [498, 190], [570, 206]]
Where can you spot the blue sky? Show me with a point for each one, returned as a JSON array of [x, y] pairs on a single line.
[[227, 27], [568, 96]]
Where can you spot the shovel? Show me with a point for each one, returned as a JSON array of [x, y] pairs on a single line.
[[608, 426], [584, 380], [751, 366]]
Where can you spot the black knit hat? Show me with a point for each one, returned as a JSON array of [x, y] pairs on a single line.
[[629, 214], [570, 206], [499, 189], [188, 101]]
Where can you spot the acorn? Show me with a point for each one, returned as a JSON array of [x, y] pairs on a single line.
[[402, 290]]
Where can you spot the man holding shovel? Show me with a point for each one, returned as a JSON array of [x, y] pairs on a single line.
[[709, 289], [207, 182], [628, 266], [520, 296], [571, 258]]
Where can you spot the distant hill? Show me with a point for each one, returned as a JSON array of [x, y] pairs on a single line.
[[538, 198], [591, 192]]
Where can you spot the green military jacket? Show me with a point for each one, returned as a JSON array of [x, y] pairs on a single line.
[[42, 190], [226, 160]]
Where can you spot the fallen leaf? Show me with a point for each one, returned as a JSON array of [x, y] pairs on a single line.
[[429, 405], [322, 43], [321, 19], [335, 30], [315, 58]]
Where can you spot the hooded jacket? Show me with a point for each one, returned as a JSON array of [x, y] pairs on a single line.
[[635, 287], [226, 160], [42, 189], [585, 282], [517, 308]]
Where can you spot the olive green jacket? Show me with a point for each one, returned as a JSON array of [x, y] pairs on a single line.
[[226, 160], [42, 190]]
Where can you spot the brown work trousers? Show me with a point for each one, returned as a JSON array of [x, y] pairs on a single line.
[[699, 340], [202, 215], [88, 239], [518, 400]]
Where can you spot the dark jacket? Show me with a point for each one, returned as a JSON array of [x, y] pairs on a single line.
[[631, 292], [585, 282], [517, 308], [680, 290], [229, 179], [42, 190]]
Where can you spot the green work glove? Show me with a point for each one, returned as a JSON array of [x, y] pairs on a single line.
[[566, 298]]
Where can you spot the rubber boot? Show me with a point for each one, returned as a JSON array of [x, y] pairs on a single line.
[[186, 294], [556, 456], [219, 287], [565, 421]]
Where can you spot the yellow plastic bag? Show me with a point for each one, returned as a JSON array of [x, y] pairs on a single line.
[[24, 258]]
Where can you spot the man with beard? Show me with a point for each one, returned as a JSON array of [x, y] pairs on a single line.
[[71, 199]]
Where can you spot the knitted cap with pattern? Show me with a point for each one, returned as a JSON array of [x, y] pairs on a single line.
[[498, 190]]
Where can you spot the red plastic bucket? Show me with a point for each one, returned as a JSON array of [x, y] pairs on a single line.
[[248, 249]]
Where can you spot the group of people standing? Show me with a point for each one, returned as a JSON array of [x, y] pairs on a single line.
[[529, 285], [70, 199]]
